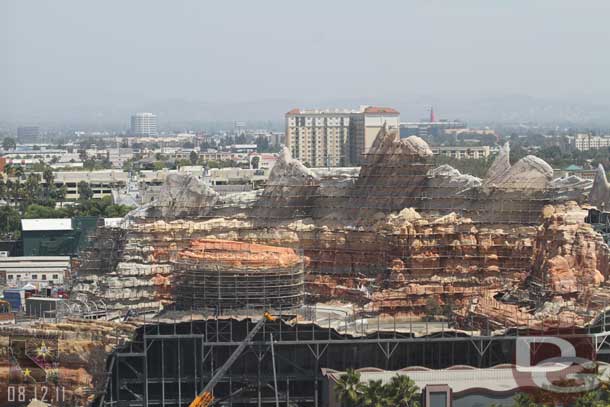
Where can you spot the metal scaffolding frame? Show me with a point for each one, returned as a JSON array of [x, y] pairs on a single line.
[[169, 363]]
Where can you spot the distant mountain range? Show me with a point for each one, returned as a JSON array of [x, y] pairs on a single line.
[[177, 114]]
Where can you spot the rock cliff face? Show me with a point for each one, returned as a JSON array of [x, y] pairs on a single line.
[[600, 192], [389, 235], [570, 257], [290, 191], [227, 275], [182, 196]]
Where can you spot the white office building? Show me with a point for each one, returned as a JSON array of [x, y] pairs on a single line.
[[144, 124], [586, 142]]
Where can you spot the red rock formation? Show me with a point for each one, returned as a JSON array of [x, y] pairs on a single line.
[[570, 257], [238, 254]]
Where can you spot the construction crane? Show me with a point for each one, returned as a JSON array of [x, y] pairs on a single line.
[[205, 398]]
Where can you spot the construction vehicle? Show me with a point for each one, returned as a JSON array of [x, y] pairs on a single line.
[[205, 398]]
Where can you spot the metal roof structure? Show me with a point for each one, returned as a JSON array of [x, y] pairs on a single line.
[[29, 225], [35, 264]]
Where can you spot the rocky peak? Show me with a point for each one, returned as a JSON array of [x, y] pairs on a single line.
[[528, 173], [388, 142], [600, 192], [500, 166], [288, 169]]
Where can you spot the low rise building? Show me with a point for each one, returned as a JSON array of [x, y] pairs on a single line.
[[575, 170], [53, 157], [463, 152], [264, 161], [428, 129], [101, 182], [250, 178], [242, 148], [56, 237], [586, 142], [39, 271], [213, 155]]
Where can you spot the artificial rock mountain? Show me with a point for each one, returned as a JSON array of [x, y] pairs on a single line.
[[388, 236]]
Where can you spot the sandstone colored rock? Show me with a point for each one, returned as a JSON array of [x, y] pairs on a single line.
[[239, 254]]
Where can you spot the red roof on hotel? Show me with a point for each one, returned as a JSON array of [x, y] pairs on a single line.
[[376, 109], [296, 110]]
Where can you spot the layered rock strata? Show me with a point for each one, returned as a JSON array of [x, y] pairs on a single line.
[[389, 235], [227, 275]]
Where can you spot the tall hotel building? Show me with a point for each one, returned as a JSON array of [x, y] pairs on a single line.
[[334, 137], [144, 124]]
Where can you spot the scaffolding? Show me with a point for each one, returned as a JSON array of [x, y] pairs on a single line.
[[201, 285], [168, 364]]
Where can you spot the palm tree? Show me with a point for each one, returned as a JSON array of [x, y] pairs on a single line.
[[349, 389], [403, 391], [19, 172], [376, 395]]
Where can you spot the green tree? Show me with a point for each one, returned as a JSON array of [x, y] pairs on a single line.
[[48, 176], [18, 171], [193, 156], [59, 194], [262, 144], [36, 211], [349, 389], [116, 211], [84, 191], [403, 392], [9, 221], [255, 162], [375, 394], [9, 143], [524, 400]]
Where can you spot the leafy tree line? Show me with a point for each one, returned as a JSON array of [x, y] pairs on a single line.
[[26, 196], [93, 207], [401, 391], [264, 146], [22, 190], [559, 159]]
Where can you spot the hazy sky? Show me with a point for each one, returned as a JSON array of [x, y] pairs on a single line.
[[66, 54]]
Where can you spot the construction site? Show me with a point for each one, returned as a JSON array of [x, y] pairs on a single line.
[[391, 265]]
